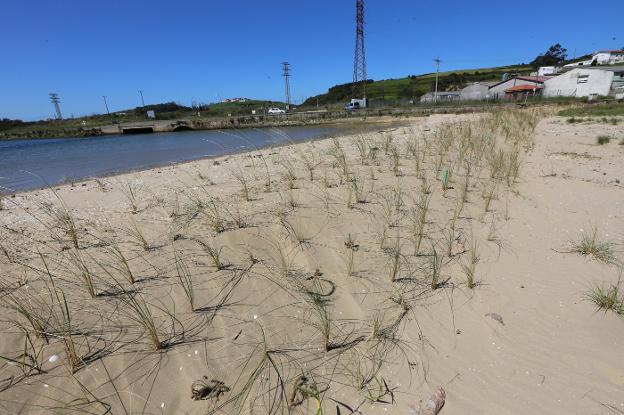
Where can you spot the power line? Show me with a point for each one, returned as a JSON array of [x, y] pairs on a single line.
[[54, 98]]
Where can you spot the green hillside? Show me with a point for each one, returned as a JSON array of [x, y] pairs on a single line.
[[412, 87]]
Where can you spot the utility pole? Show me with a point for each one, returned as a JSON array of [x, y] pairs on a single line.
[[286, 75], [107, 111], [142, 100], [435, 95], [54, 98]]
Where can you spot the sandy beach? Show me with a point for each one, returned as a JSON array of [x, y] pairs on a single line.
[[354, 274]]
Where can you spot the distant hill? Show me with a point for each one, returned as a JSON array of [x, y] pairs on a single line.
[[171, 110], [412, 87]]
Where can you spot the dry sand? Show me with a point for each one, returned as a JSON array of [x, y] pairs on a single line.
[[304, 313]]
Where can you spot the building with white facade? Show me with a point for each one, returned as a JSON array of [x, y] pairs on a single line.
[[589, 81], [499, 90], [548, 71], [477, 91], [603, 57], [608, 57]]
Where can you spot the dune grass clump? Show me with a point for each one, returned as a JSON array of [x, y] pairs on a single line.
[[64, 324], [351, 247], [311, 163], [436, 267], [78, 267], [470, 266], [489, 193], [131, 192], [394, 254], [121, 263], [591, 245], [603, 139], [240, 177], [419, 217], [34, 310], [610, 298], [140, 313], [361, 195], [214, 253], [61, 220], [137, 236], [185, 278]]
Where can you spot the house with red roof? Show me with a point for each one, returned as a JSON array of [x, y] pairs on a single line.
[[528, 83]]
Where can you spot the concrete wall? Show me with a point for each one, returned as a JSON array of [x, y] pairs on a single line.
[[442, 97], [498, 91], [475, 92], [579, 83]]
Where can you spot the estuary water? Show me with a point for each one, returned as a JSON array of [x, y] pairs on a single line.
[[32, 164]]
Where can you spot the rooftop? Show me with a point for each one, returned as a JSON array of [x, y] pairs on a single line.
[[612, 68], [520, 88], [536, 79]]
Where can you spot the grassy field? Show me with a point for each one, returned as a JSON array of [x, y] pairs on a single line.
[[594, 111]]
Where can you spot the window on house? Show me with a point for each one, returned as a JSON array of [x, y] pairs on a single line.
[[582, 79]]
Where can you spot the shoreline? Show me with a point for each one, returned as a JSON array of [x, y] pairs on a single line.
[[350, 129], [370, 119]]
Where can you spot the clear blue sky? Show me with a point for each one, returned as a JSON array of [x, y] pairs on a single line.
[[204, 50]]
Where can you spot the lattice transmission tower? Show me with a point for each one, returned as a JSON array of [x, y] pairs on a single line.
[[359, 59], [54, 98], [286, 75]]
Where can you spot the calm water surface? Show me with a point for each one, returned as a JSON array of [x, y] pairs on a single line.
[[31, 164]]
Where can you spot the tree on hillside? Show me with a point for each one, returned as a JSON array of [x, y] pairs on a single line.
[[553, 56]]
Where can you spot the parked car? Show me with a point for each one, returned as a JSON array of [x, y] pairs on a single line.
[[276, 111], [351, 106], [356, 104]]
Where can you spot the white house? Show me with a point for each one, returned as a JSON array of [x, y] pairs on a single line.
[[603, 57], [586, 82], [476, 92], [499, 90], [609, 57], [548, 70]]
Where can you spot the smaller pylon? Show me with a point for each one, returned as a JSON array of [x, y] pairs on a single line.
[[286, 75], [54, 98]]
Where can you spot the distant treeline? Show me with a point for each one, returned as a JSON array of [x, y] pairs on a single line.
[[338, 93], [7, 124]]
